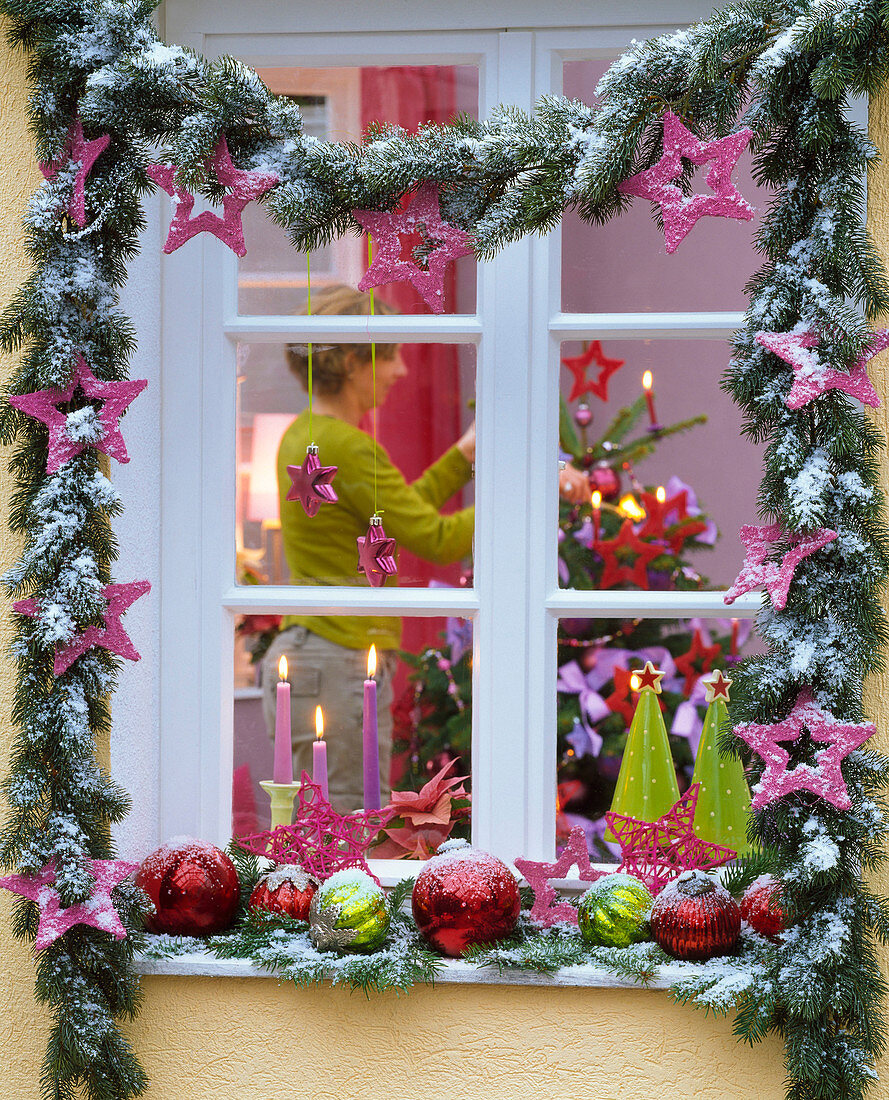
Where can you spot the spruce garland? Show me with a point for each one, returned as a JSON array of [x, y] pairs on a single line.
[[785, 68]]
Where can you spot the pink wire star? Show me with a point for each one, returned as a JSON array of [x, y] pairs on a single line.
[[111, 636], [776, 578], [657, 852], [98, 911], [376, 554], [574, 854], [811, 377], [310, 483], [423, 214], [826, 778], [245, 186], [82, 153], [320, 840], [63, 444], [680, 212]]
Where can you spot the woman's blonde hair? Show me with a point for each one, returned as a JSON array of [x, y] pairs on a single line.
[[332, 364]]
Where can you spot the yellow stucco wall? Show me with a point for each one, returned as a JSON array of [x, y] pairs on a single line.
[[244, 1038]]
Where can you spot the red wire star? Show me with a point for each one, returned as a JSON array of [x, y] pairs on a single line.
[[756, 570], [578, 364], [685, 664], [616, 573], [84, 154], [376, 554], [657, 852], [310, 483], [537, 874], [320, 839]]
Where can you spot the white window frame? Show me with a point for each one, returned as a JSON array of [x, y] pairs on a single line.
[[185, 773]]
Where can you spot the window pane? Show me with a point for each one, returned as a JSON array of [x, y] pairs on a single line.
[[338, 105], [428, 410], [424, 719], [596, 704], [623, 266], [709, 473]]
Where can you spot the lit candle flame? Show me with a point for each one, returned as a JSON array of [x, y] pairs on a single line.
[[371, 662], [319, 723], [661, 494], [597, 499], [630, 508], [635, 681], [647, 380], [282, 667]]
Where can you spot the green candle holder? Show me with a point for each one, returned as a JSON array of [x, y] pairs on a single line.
[[281, 796]]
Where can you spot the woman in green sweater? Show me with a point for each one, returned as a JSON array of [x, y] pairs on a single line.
[[327, 655]]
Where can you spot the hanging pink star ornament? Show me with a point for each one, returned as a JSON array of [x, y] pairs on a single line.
[[680, 211], [82, 153], [72, 432], [537, 874], [376, 553], [310, 483], [826, 778], [812, 377], [244, 188], [422, 216], [111, 636], [776, 578], [660, 851], [98, 911]]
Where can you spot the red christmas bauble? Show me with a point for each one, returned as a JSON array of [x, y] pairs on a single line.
[[464, 896], [606, 480], [761, 907], [695, 918], [287, 890], [193, 886]]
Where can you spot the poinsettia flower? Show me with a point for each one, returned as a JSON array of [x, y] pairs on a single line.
[[424, 819]]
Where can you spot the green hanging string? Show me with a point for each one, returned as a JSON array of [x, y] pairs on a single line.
[[309, 314], [373, 368]]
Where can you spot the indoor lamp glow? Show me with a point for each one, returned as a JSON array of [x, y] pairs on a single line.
[[319, 754], [631, 508]]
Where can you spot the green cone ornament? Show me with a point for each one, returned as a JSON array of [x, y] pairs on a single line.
[[724, 799], [349, 913], [614, 911]]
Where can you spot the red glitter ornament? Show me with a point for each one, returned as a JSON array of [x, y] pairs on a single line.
[[193, 886], [761, 907], [695, 918], [606, 480], [464, 896], [287, 890]]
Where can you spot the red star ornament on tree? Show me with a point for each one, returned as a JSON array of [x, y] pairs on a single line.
[[84, 154], [776, 578], [680, 212], [310, 483], [537, 874], [812, 377], [376, 553], [657, 522], [110, 636], [578, 366], [98, 911], [616, 573], [72, 432], [244, 187], [619, 701], [825, 779], [660, 851], [686, 664], [422, 215]]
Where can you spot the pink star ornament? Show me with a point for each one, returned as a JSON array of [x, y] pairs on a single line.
[[423, 214], [826, 778], [98, 911], [680, 211], [546, 909], [244, 187], [69, 433], [111, 636], [776, 578], [376, 553], [310, 483], [811, 377], [82, 153]]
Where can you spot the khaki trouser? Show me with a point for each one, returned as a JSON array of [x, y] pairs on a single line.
[[323, 672]]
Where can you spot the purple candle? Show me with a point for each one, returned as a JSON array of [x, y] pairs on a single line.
[[319, 754], [371, 739], [282, 772]]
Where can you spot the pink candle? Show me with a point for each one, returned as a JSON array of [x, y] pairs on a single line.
[[319, 754], [282, 772], [371, 739]]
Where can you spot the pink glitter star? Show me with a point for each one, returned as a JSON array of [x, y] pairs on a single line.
[[656, 852], [574, 854], [376, 553], [98, 911], [245, 186], [111, 636], [811, 377], [680, 212], [64, 443], [776, 578], [82, 153], [423, 215], [310, 483], [826, 778]]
